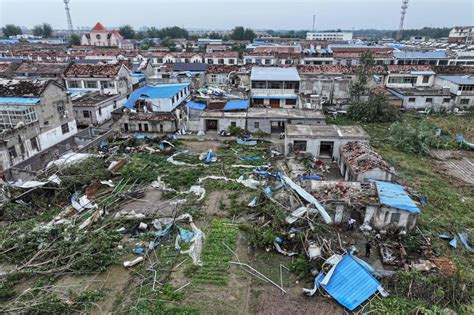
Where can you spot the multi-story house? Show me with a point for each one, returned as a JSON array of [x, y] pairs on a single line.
[[461, 88], [34, 116], [107, 78], [222, 58], [100, 36]]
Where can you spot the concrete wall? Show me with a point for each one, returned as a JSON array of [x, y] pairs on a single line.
[[223, 124], [381, 219], [437, 104], [327, 87], [313, 145]]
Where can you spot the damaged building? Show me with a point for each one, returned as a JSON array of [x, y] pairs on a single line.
[[359, 162], [321, 141], [34, 115], [94, 108]]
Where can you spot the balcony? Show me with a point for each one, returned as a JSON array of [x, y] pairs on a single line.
[[273, 91]]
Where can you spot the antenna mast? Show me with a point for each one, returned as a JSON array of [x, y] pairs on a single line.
[[402, 18], [68, 15]]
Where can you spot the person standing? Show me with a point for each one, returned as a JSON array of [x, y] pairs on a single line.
[[351, 223], [368, 247]]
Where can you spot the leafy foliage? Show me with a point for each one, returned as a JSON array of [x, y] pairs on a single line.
[[416, 138], [74, 39], [11, 30], [45, 30], [364, 71], [127, 32], [376, 110], [241, 33]]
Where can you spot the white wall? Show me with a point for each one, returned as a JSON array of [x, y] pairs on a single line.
[[54, 136]]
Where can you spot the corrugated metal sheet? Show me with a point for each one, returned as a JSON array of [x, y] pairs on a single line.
[[154, 92], [351, 284], [393, 195], [459, 79], [421, 54], [237, 105], [274, 74], [197, 106], [20, 100]]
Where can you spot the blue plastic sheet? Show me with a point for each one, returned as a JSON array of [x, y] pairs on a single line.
[[139, 137], [247, 142], [250, 159], [465, 241], [164, 232], [139, 250], [310, 177], [210, 155], [453, 243]]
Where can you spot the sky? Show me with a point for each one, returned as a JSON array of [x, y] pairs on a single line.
[[225, 14]]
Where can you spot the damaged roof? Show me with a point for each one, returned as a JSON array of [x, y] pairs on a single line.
[[42, 68], [393, 195], [326, 132], [91, 70], [24, 88], [92, 99], [362, 158], [154, 92]]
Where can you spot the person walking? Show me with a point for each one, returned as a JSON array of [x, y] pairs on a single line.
[[368, 247], [351, 223]]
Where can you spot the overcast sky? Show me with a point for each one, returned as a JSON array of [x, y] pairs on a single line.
[[225, 14]]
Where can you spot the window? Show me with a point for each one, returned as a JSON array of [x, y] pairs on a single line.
[[233, 124], [35, 144], [100, 111], [91, 84], [289, 101], [210, 61], [446, 100], [12, 153], [464, 101], [395, 218], [299, 145], [259, 84], [59, 106], [248, 61], [426, 79], [402, 80], [74, 84], [231, 61], [161, 128], [220, 61], [139, 127], [106, 84], [429, 100], [214, 78], [256, 125], [97, 36], [115, 105], [268, 61], [275, 85], [258, 101], [86, 113], [65, 128], [411, 100], [145, 126]]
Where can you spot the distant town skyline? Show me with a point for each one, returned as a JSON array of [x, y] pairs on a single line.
[[225, 14]]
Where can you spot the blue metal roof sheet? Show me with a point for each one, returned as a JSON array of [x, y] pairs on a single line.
[[276, 97], [393, 195], [197, 106], [351, 284], [20, 100], [237, 105], [155, 92]]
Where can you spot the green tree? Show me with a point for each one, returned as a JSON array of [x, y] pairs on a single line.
[[74, 39], [173, 32], [241, 33], [11, 30], [377, 109], [45, 30], [153, 32], [127, 32], [363, 71]]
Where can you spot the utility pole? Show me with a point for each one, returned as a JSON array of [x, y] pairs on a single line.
[[68, 15], [402, 18]]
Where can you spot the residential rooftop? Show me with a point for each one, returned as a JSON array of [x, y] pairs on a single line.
[[362, 158], [22, 88], [92, 99], [459, 79], [274, 74], [326, 131], [283, 113]]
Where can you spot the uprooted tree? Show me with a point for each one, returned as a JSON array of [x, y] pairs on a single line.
[[377, 109]]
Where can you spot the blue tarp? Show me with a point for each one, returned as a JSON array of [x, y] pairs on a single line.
[[310, 177], [250, 159], [464, 237], [247, 141], [197, 106], [20, 100], [351, 284], [210, 155], [393, 195], [154, 92], [139, 137], [237, 105], [276, 97], [460, 138]]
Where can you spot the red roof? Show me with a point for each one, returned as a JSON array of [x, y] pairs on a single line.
[[117, 34], [98, 28]]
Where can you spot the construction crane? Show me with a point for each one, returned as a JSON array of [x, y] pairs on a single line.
[[402, 18], [68, 15]]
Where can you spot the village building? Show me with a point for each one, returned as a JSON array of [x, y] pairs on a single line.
[[435, 58], [222, 58], [236, 76], [108, 78], [154, 109], [34, 115], [100, 36], [41, 70], [274, 120], [218, 116], [321, 141], [421, 98], [275, 87], [461, 88], [94, 108], [359, 162], [409, 76], [397, 210], [7, 68]]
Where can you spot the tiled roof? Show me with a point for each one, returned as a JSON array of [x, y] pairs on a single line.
[[21, 88], [362, 158], [406, 68], [98, 28], [42, 68], [222, 54], [105, 70]]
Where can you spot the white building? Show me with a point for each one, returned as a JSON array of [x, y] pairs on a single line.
[[94, 108], [461, 88], [100, 36], [461, 35], [275, 87], [329, 36]]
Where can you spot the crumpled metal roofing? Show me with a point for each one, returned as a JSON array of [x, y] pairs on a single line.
[[196, 106], [351, 284], [393, 195]]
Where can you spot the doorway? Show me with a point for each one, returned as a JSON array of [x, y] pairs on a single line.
[[326, 149], [277, 126], [274, 103], [211, 124]]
